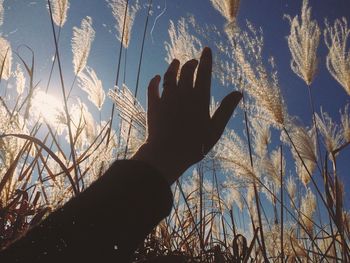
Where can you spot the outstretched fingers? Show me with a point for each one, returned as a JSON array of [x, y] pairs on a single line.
[[153, 96], [187, 75], [221, 117], [170, 77], [203, 80]]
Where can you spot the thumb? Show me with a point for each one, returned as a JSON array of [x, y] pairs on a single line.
[[221, 116]]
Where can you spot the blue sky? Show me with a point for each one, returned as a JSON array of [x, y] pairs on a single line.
[[27, 22]]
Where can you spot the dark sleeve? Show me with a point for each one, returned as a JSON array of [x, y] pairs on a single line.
[[105, 223]]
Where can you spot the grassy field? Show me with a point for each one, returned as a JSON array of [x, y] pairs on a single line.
[[267, 192]]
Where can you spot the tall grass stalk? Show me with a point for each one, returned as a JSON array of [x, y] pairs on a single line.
[[206, 224], [71, 141], [139, 71], [257, 201], [53, 63], [282, 199], [329, 209], [117, 73]]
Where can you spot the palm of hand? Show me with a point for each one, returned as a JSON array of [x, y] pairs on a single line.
[[180, 129]]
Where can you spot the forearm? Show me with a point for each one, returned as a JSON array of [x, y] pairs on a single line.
[[109, 219], [165, 163]]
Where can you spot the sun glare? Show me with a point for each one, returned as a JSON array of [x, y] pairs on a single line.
[[47, 107]]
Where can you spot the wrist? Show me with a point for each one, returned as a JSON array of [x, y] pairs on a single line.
[[162, 162]]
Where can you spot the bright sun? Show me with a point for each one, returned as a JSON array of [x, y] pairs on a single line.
[[47, 107]]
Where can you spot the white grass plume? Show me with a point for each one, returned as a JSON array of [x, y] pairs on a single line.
[[47, 108], [303, 42], [10, 146], [59, 11], [291, 188], [229, 10], [261, 85], [92, 85], [338, 58], [81, 43], [1, 12], [83, 125], [345, 123], [182, 45], [261, 136], [272, 167], [301, 170], [292, 247], [133, 118], [305, 143], [307, 210], [20, 80], [332, 135], [129, 107], [233, 196], [118, 11], [250, 197], [100, 157], [233, 156], [5, 58]]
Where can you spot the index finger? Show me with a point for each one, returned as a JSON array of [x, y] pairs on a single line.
[[203, 80]]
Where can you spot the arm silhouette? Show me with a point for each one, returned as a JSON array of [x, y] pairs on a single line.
[[107, 221]]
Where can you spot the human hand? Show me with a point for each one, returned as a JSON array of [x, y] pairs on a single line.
[[180, 129]]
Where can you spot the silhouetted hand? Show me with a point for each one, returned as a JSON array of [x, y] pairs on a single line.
[[180, 129]]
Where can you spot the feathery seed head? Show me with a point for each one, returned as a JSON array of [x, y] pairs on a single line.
[[261, 136], [345, 123], [229, 10], [272, 167], [46, 107], [59, 11], [130, 109], [338, 58], [260, 85], [233, 196], [233, 156], [89, 82], [83, 125], [307, 210], [20, 80], [134, 117], [1, 12], [250, 197], [292, 246], [81, 44], [305, 143], [302, 172], [332, 135], [303, 43], [5, 58], [118, 11], [182, 46], [291, 187]]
